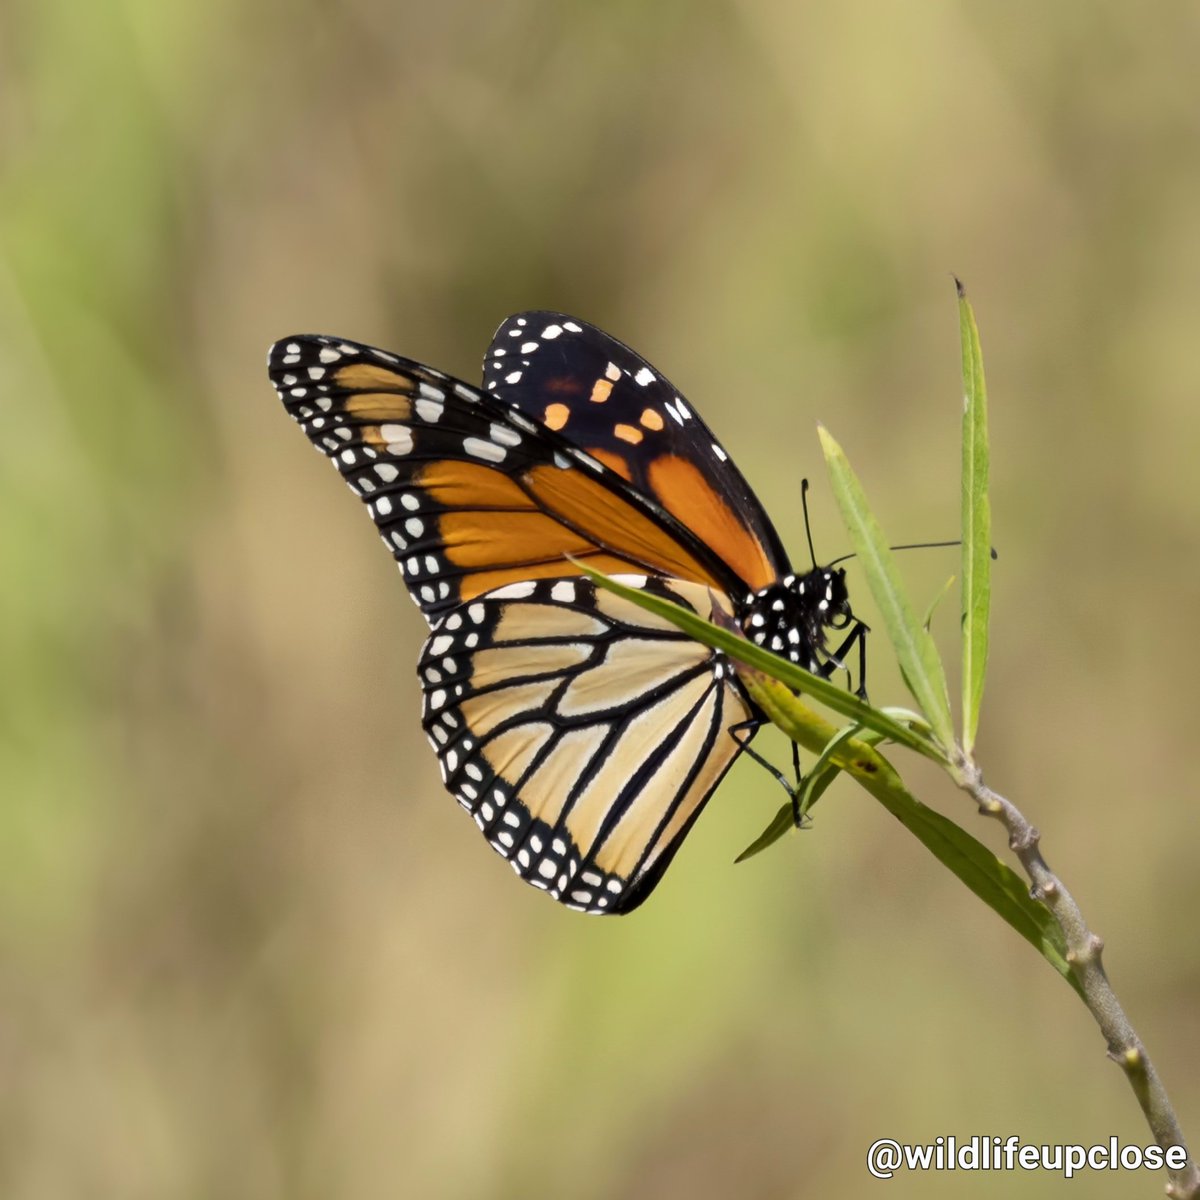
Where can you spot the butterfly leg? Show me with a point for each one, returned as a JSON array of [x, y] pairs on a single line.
[[742, 732], [837, 659], [749, 728], [797, 815]]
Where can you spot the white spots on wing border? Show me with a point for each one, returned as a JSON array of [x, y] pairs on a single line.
[[503, 436], [483, 449], [514, 591]]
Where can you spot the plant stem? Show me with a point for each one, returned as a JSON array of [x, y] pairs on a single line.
[[1083, 952]]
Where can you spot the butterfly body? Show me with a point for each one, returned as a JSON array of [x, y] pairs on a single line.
[[582, 734], [790, 617]]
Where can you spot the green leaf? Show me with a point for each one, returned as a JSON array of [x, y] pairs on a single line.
[[824, 771], [781, 824], [795, 677], [933, 604], [995, 883], [976, 524], [1001, 888], [906, 716], [918, 657]]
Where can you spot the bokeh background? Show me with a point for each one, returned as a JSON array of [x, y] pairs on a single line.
[[248, 947]]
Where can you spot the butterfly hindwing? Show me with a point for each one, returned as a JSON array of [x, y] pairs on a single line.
[[583, 734], [574, 378]]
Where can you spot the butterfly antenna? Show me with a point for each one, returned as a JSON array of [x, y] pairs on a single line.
[[807, 527], [912, 546]]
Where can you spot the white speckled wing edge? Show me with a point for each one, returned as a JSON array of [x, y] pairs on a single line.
[[582, 734]]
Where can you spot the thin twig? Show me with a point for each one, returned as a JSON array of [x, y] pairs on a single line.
[[1083, 953]]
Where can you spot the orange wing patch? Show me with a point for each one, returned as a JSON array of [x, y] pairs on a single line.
[[379, 406], [681, 488], [468, 485], [587, 504], [489, 539], [613, 461], [493, 532], [363, 376], [496, 533], [556, 416]]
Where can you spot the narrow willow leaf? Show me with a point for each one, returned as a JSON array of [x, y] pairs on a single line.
[[744, 651], [824, 770], [933, 604], [907, 716], [816, 782], [997, 885], [976, 524], [781, 824], [917, 655]]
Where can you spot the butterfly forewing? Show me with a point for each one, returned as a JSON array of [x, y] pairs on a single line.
[[467, 492], [583, 734], [574, 378]]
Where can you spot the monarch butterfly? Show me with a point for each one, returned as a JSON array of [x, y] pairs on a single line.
[[583, 734]]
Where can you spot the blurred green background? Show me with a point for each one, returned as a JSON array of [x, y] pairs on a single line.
[[248, 947]]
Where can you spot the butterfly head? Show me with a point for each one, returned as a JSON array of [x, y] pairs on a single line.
[[791, 615]]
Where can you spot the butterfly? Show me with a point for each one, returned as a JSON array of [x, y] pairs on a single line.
[[583, 734]]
